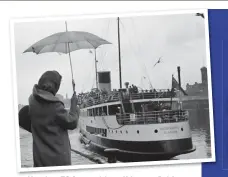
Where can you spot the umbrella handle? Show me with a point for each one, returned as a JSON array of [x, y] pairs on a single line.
[[73, 84]]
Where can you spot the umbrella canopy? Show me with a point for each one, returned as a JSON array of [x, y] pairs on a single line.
[[65, 42]]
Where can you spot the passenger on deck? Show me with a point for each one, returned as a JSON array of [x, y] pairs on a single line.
[[50, 122], [134, 88], [130, 89]]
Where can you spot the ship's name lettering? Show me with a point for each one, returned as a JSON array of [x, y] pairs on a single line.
[[169, 128], [170, 132]]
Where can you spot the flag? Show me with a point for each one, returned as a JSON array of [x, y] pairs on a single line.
[[175, 86], [200, 15]]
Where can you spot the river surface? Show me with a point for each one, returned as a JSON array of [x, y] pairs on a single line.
[[200, 127], [199, 123]]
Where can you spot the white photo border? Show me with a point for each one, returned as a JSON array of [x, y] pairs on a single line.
[[128, 14]]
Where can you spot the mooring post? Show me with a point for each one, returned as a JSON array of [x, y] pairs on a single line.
[[111, 153]]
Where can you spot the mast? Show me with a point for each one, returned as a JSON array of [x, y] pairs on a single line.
[[120, 74], [95, 57], [179, 76], [171, 98], [179, 91]]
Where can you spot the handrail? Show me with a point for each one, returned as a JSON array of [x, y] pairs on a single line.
[[97, 98], [153, 117]]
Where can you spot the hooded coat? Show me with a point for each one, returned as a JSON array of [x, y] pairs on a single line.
[[50, 122]]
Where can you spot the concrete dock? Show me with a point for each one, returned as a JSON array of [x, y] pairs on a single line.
[[85, 157]]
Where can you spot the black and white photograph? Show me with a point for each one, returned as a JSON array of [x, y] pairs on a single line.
[[112, 90]]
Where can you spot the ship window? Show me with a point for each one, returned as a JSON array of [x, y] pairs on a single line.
[[93, 130], [89, 112], [92, 112], [128, 107], [104, 110], [100, 111], [113, 109], [138, 131], [96, 111], [138, 107]]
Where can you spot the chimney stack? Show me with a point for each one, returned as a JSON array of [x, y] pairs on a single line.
[[104, 81]]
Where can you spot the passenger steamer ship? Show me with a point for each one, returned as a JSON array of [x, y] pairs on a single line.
[[145, 123]]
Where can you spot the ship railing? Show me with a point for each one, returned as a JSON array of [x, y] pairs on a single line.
[[101, 99], [154, 117], [149, 94], [120, 95]]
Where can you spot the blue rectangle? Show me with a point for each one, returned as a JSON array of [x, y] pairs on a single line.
[[218, 31]]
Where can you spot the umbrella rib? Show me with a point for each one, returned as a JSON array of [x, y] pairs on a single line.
[[90, 43], [87, 41], [56, 43]]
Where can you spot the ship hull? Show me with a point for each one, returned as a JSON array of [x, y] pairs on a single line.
[[130, 151], [136, 142]]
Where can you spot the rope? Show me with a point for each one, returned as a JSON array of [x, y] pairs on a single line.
[[142, 68], [87, 156], [139, 50]]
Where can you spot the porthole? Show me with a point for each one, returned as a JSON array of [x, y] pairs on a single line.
[[138, 131], [182, 129], [156, 131], [126, 131]]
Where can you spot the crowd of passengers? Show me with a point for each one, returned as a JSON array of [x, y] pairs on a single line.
[[98, 96]]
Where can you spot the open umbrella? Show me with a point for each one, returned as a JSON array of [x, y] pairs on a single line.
[[66, 42]]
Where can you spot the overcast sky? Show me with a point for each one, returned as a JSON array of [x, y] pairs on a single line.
[[179, 39]]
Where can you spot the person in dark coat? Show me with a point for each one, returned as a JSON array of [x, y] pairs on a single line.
[[50, 122]]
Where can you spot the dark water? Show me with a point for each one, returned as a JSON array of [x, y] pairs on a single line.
[[200, 127], [199, 123]]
